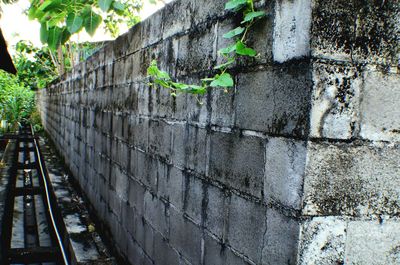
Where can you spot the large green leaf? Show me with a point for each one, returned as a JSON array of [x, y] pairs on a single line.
[[252, 15], [54, 38], [65, 35], [233, 4], [91, 22], [105, 4], [224, 80], [74, 23], [242, 49], [44, 33], [233, 33]]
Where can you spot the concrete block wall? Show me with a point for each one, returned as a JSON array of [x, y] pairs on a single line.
[[297, 164]]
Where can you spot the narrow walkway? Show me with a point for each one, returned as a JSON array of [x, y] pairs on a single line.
[[40, 223]]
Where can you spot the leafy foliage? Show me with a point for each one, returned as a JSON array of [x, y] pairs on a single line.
[[163, 79], [16, 101], [35, 67], [60, 19], [238, 48]]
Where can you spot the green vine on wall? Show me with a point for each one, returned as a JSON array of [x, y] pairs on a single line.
[[222, 79]]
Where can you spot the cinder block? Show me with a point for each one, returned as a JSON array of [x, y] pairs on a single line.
[[197, 109], [222, 107], [117, 124], [335, 101], [276, 100], [136, 254], [136, 196], [108, 75], [177, 18], [122, 183], [185, 236], [216, 210], [292, 27], [217, 254], [134, 39], [326, 40], [208, 11], [370, 242], [139, 132], [160, 137], [194, 191], [285, 161], [145, 104], [238, 162], [243, 235], [380, 109], [149, 169], [152, 29], [108, 53], [195, 52], [351, 179], [156, 213], [281, 239], [322, 241], [171, 187], [164, 254]]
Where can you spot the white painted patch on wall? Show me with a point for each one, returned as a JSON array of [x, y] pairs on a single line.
[[291, 29]]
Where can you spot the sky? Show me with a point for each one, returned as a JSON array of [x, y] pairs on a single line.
[[16, 26]]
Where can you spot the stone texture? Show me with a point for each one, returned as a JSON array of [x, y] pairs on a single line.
[[335, 101], [352, 179], [280, 239], [275, 101], [379, 112], [324, 240], [373, 243], [238, 162], [246, 227], [291, 30], [284, 171]]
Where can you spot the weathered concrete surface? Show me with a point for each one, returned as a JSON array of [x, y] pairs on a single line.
[[275, 171]]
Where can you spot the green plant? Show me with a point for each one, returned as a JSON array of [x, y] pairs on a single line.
[[36, 121], [60, 19], [16, 101], [222, 79], [34, 65]]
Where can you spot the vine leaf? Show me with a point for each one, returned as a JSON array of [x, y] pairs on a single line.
[[193, 89], [242, 49], [233, 4], [74, 23], [223, 80], [228, 49], [105, 5], [91, 22], [252, 15], [233, 33], [157, 73], [221, 66]]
